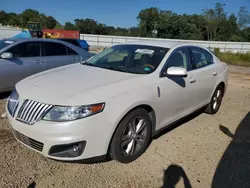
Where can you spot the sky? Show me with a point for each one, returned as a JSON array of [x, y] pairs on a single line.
[[113, 12]]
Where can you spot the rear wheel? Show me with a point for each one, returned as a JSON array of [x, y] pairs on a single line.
[[132, 137], [216, 100]]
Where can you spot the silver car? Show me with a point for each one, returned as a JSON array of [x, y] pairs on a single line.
[[20, 58]]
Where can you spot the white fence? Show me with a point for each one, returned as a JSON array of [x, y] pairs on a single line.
[[106, 41], [7, 32]]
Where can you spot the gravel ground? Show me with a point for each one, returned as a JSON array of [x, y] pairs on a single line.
[[206, 151]]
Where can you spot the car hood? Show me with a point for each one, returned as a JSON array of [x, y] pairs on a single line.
[[75, 85]]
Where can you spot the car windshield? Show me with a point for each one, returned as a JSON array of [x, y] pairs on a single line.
[[5, 43], [137, 59]]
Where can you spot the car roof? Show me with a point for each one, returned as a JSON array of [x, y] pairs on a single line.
[[29, 39], [160, 43]]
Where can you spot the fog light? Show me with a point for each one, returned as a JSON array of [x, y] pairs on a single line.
[[75, 148], [68, 150]]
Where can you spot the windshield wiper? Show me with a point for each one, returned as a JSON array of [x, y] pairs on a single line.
[[89, 64], [114, 68], [104, 67]]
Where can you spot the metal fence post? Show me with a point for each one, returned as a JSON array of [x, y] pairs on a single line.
[[98, 40], [112, 41], [241, 48], [225, 48]]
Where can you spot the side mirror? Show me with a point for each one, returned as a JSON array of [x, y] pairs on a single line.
[[177, 71], [6, 55]]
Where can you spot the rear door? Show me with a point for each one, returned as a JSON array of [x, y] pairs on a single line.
[[58, 54], [203, 74], [26, 61]]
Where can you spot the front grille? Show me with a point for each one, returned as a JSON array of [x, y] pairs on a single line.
[[28, 141], [13, 102], [31, 111]]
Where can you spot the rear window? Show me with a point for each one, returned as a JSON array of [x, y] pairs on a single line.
[[54, 49], [201, 58], [71, 41]]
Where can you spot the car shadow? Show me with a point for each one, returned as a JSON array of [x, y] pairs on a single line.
[[172, 175], [4, 95], [32, 185], [234, 167]]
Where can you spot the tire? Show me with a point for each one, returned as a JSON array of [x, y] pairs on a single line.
[[215, 101], [131, 137]]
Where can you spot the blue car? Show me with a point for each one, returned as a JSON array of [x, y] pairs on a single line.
[[77, 42]]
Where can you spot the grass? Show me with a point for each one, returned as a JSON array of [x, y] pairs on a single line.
[[240, 59]]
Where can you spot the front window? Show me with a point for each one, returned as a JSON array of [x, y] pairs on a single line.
[[26, 49], [137, 59]]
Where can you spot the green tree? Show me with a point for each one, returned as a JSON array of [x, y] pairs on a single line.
[[214, 19], [148, 21], [59, 26], [3, 17], [244, 17], [30, 15], [245, 33], [14, 19], [134, 31], [69, 26], [51, 22]]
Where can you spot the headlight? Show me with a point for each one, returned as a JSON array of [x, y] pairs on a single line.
[[66, 113]]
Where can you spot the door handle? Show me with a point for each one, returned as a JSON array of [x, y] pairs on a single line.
[[76, 59], [215, 73], [192, 80], [39, 61]]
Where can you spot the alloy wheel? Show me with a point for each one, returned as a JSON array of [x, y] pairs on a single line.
[[134, 136]]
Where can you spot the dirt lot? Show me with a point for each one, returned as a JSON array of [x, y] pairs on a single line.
[[207, 151]]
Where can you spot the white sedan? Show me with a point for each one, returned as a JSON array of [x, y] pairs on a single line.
[[115, 102]]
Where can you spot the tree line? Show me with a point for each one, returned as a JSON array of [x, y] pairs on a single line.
[[213, 24]]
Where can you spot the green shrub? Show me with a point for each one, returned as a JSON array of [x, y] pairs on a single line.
[[240, 59]]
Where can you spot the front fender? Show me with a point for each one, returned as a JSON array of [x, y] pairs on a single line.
[[116, 108]]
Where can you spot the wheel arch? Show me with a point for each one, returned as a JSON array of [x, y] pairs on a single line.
[[223, 85]]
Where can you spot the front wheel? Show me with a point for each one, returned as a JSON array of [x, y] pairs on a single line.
[[132, 137], [216, 100]]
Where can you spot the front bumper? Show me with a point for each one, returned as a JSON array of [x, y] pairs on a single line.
[[94, 131]]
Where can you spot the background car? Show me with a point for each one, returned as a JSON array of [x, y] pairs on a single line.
[[115, 102], [20, 58], [77, 42]]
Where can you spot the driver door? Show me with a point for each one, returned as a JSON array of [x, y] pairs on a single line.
[[176, 92]]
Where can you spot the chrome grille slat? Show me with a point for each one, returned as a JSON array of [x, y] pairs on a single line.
[[37, 112], [21, 109], [28, 141], [31, 111], [42, 111], [25, 109]]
